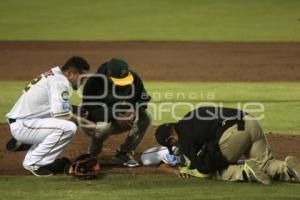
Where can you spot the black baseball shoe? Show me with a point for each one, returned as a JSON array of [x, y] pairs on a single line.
[[14, 145], [125, 159], [293, 166], [42, 171]]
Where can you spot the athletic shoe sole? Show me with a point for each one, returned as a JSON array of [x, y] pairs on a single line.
[[131, 164], [126, 164], [36, 172]]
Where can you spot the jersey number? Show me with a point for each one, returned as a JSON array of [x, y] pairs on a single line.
[[33, 82]]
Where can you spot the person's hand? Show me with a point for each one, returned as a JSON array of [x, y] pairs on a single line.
[[182, 172], [182, 175], [125, 120]]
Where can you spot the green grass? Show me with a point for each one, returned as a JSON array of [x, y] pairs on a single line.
[[156, 20], [128, 187], [280, 101]]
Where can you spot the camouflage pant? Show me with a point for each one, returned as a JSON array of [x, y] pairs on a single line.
[[135, 135]]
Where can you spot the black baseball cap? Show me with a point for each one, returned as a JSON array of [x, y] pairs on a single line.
[[117, 70], [162, 134]]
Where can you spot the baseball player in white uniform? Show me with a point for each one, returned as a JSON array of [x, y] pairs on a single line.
[[42, 115]]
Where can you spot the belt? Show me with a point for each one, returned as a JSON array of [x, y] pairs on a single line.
[[226, 124], [10, 120]]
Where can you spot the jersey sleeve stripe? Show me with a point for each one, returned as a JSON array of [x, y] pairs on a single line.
[[61, 114]]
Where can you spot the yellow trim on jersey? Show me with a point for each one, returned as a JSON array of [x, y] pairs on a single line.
[[61, 114]]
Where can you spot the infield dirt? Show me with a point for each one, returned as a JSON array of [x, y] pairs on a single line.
[[177, 61]]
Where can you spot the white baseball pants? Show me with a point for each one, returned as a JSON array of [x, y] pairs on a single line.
[[48, 137]]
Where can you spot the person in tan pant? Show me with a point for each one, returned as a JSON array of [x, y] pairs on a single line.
[[253, 145], [214, 139]]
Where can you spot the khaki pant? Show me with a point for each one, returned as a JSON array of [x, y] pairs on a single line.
[[252, 144]]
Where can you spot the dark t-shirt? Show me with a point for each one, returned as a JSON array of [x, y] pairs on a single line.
[[204, 125], [101, 92]]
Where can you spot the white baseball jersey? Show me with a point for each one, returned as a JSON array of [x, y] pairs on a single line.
[[46, 96]]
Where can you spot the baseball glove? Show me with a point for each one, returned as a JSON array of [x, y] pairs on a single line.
[[84, 167]]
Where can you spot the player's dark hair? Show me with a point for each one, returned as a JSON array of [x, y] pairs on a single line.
[[162, 133], [77, 64]]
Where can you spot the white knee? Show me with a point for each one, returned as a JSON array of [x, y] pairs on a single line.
[[69, 127]]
